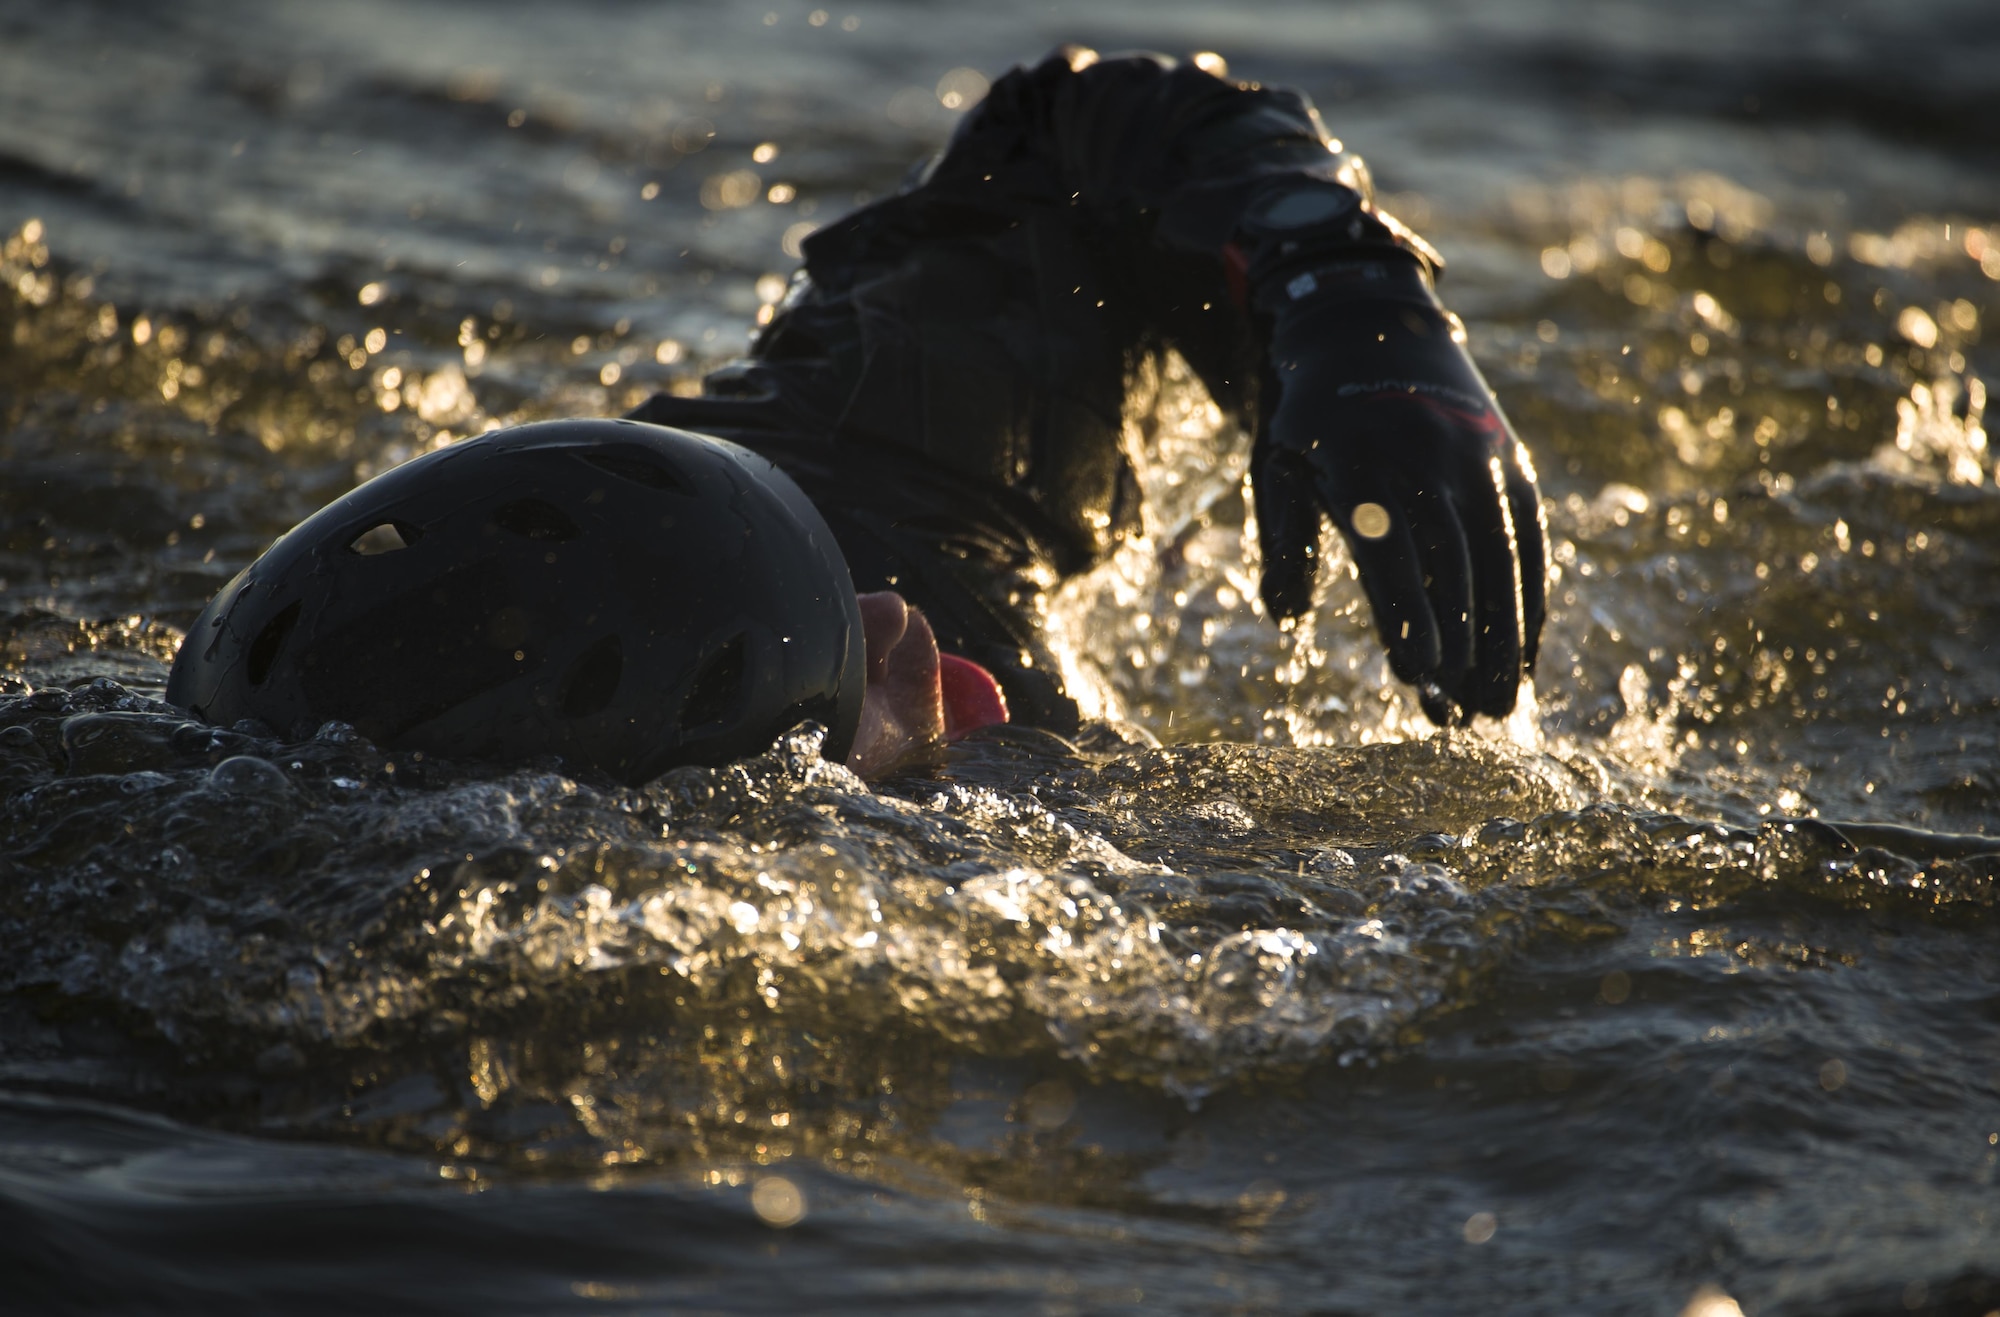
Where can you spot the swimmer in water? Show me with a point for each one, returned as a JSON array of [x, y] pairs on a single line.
[[924, 439]]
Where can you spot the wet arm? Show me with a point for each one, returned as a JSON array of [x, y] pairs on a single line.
[[1258, 251]]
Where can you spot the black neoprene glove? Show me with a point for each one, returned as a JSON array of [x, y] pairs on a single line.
[[1378, 419]]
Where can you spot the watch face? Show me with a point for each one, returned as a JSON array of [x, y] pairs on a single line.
[[1305, 207]]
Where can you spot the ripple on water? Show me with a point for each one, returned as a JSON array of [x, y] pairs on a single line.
[[316, 900], [1595, 999]]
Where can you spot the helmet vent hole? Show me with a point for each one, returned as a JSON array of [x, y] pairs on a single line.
[[264, 649], [641, 467], [533, 519], [385, 538], [717, 689], [592, 680]]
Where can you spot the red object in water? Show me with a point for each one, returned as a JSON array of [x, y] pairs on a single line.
[[972, 699]]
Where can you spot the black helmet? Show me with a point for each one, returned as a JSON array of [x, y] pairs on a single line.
[[625, 595]]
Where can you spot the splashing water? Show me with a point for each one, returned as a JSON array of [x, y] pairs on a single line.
[[1262, 994]]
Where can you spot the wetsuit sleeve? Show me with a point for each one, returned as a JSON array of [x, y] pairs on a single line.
[[987, 317], [982, 326], [1222, 219], [1200, 185], [1141, 181]]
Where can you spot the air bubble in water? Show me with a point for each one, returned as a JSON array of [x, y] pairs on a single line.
[[247, 775]]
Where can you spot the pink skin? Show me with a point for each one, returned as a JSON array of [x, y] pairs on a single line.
[[916, 699], [902, 712]]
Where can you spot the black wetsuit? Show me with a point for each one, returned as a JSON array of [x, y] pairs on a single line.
[[947, 380]]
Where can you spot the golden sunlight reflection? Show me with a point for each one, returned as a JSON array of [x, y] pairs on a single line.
[[961, 89], [731, 191], [1054, 988], [778, 1202], [1708, 1301]]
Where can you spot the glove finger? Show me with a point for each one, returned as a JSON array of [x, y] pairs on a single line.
[[1447, 568], [1531, 539], [1439, 706], [1288, 522], [1392, 574], [1496, 678]]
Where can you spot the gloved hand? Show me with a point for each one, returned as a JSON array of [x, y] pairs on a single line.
[[1381, 422]]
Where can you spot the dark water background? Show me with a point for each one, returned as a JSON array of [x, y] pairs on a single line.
[[1307, 1009]]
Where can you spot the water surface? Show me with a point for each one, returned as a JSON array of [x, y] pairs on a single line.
[[1678, 989]]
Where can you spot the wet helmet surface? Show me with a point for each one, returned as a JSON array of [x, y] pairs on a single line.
[[624, 595]]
